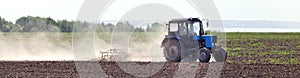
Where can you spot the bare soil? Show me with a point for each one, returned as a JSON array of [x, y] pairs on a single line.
[[29, 69]]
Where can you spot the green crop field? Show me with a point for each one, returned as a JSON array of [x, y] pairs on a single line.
[[266, 48]]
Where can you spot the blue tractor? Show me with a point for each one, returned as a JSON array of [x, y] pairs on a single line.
[[187, 41]]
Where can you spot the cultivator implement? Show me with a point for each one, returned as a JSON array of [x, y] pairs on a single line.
[[109, 55]]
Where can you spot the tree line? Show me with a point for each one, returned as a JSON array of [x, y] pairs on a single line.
[[40, 24]]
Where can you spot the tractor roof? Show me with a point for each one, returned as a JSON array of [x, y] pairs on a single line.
[[185, 20]]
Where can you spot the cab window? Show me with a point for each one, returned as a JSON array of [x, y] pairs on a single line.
[[173, 27]]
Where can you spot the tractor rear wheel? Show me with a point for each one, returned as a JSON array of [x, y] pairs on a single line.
[[172, 51], [219, 54], [204, 55]]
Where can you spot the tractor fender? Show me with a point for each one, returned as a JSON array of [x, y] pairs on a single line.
[[163, 43]]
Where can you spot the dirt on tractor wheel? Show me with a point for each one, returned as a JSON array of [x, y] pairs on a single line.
[[30, 69]]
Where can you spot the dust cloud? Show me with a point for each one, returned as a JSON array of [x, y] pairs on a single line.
[[34, 47], [138, 46], [56, 46], [148, 50]]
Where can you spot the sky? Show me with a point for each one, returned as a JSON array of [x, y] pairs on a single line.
[[57, 9], [282, 10]]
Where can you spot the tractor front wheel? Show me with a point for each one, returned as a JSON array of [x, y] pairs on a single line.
[[172, 51], [204, 55], [219, 54]]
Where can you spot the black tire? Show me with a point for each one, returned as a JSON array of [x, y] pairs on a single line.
[[204, 55], [220, 54], [172, 51]]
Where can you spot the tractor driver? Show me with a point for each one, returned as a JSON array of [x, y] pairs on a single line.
[[182, 29]]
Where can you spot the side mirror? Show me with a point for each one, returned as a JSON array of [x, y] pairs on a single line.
[[207, 24]]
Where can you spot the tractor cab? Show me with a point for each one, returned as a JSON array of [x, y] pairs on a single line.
[[184, 27], [191, 31]]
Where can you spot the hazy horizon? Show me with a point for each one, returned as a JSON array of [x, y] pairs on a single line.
[[280, 10], [237, 25], [236, 10]]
